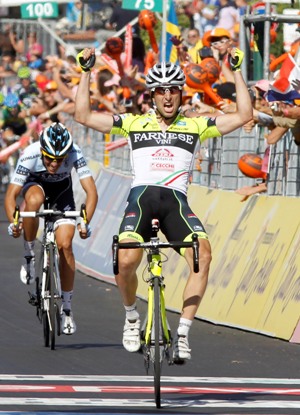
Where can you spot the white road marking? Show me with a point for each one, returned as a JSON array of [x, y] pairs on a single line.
[[148, 403], [149, 379]]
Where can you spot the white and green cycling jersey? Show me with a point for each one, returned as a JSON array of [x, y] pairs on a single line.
[[163, 158]]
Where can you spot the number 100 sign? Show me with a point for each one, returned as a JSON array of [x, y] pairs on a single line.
[[152, 5], [36, 10]]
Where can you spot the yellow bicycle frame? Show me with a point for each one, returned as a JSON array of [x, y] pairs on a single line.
[[155, 268]]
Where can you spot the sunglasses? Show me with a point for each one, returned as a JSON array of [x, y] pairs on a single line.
[[219, 42], [174, 90], [50, 159]]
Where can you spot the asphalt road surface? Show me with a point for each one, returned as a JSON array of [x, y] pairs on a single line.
[[231, 371]]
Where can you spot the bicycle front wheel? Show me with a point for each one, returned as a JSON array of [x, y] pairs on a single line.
[[157, 342], [52, 305]]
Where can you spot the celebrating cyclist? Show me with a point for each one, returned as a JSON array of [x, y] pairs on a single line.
[[162, 143], [43, 175]]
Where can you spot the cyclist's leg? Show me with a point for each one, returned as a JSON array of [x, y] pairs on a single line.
[[62, 198], [64, 235], [132, 228], [187, 223], [197, 282], [34, 198], [135, 226], [129, 260]]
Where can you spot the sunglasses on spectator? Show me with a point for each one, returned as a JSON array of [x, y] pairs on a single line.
[[174, 90], [50, 159], [220, 42]]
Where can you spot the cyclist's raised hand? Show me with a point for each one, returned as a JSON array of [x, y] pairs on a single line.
[[86, 59], [15, 230]]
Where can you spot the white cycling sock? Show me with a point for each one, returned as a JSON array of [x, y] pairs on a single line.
[[131, 312], [29, 248], [184, 326], [66, 299]]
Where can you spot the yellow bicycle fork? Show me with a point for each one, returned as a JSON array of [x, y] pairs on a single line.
[[155, 268]]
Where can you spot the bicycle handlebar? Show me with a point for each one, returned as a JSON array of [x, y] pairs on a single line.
[[155, 244], [50, 212]]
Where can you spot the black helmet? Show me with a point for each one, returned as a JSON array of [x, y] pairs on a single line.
[[56, 140]]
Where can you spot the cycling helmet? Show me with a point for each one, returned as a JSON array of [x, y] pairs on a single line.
[[24, 72], [11, 100], [165, 74], [56, 140]]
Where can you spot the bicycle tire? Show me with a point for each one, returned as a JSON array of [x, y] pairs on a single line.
[[45, 302], [52, 304], [157, 345], [46, 328], [39, 278]]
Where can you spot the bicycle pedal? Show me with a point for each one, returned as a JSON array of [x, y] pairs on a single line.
[[32, 299]]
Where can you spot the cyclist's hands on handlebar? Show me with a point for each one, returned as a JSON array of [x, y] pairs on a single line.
[[84, 230], [15, 228], [83, 227]]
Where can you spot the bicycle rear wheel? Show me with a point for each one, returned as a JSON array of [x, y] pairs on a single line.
[[157, 343]]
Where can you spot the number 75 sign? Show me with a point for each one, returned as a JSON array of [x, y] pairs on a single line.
[[153, 5]]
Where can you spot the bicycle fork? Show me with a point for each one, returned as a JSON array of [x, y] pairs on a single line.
[[148, 330]]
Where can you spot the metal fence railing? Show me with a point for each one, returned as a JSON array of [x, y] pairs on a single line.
[[219, 156]]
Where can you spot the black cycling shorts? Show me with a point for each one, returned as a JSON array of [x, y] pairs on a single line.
[[170, 207], [58, 195]]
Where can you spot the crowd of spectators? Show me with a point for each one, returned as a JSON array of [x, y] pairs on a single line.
[[44, 87]]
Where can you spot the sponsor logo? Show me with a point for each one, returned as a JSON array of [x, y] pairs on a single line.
[[129, 228], [156, 165], [198, 228], [80, 163], [161, 138], [30, 157], [22, 171], [163, 153], [130, 215], [191, 215]]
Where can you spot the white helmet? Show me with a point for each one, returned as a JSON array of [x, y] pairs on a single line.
[[165, 74]]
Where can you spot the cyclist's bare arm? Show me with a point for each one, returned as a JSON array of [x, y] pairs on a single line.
[[83, 114], [244, 113], [88, 185], [10, 202]]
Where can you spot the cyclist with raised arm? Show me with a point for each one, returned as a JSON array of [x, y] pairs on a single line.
[[162, 144], [43, 175]]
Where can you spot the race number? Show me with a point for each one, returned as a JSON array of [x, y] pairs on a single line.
[[153, 5], [45, 10]]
